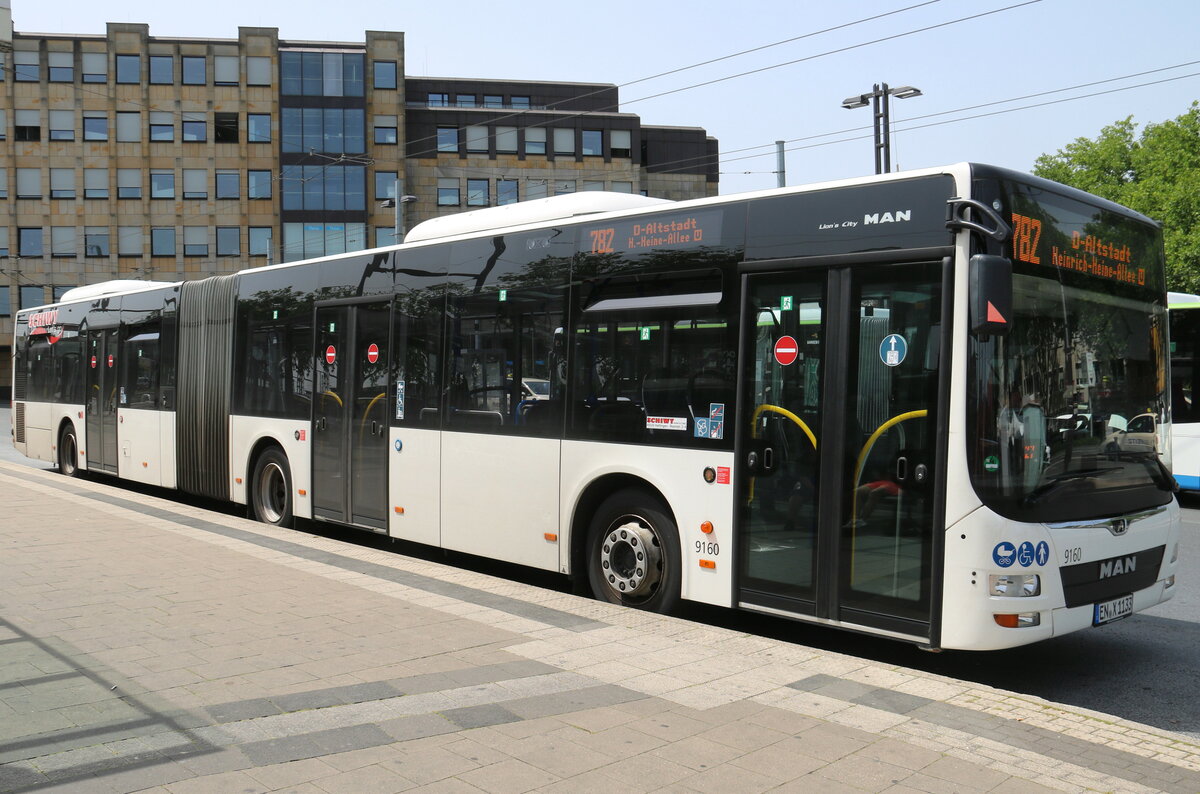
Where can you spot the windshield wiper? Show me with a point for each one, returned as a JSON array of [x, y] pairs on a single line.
[[1162, 476], [1059, 481]]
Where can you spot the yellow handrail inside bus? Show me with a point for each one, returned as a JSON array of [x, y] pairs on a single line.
[[775, 409], [362, 425], [858, 466], [879, 431]]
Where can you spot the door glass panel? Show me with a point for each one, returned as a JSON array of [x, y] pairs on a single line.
[[108, 410], [890, 441], [95, 364], [330, 394], [368, 442], [780, 518]]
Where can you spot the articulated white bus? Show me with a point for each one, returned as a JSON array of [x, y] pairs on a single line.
[[1185, 411], [883, 404]]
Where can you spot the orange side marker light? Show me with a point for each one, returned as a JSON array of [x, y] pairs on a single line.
[[710, 564], [706, 527], [550, 536]]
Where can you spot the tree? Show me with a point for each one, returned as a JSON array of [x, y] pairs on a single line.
[[1157, 174]]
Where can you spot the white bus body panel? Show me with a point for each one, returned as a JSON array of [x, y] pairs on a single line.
[[414, 484], [500, 497], [1185, 455], [139, 448], [292, 436], [40, 424], [967, 607], [42, 421], [678, 474]]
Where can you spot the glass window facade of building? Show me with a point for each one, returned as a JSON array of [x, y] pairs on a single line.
[[385, 75], [331, 74], [62, 125], [326, 130], [193, 70], [26, 67], [162, 69], [61, 67], [129, 69], [258, 127], [95, 67], [320, 187]]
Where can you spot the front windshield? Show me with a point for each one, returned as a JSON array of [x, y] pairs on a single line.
[[1068, 409]]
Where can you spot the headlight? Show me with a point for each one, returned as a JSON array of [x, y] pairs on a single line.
[[1014, 585]]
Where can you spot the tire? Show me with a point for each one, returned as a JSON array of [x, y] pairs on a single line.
[[633, 554], [68, 452], [271, 488]]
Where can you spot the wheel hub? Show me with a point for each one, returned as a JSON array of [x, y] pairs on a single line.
[[271, 492], [631, 559]]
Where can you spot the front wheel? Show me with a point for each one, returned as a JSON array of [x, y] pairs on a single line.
[[633, 553], [68, 452], [271, 488]]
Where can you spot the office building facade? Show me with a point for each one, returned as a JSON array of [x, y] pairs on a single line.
[[126, 155]]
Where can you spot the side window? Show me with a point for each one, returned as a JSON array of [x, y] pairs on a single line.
[[504, 375], [416, 363], [40, 367], [651, 368], [507, 368], [273, 365], [68, 363], [139, 363], [278, 363]]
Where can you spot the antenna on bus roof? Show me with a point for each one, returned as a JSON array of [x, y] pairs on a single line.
[[548, 209]]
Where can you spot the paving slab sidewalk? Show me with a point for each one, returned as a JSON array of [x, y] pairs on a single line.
[[151, 645]]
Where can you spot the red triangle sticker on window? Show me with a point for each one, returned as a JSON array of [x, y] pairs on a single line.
[[994, 315]]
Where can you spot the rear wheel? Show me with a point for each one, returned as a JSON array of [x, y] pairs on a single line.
[[68, 452], [271, 488], [633, 553]]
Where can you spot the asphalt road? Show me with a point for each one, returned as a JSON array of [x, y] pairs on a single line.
[[1145, 668]]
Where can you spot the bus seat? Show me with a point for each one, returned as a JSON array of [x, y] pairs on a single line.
[[704, 389], [663, 395], [619, 420]]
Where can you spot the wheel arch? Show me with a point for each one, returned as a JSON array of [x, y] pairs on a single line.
[[260, 446], [63, 424], [590, 498]]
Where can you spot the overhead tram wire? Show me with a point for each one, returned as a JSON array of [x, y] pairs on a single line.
[[616, 108], [682, 162], [701, 63], [691, 161], [283, 249], [965, 118], [958, 110]]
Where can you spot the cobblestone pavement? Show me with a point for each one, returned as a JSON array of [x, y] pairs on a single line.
[[146, 644]]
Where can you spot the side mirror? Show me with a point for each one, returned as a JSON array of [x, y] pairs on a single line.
[[991, 294]]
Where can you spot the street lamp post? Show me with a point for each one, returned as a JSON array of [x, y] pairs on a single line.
[[397, 203], [878, 99]]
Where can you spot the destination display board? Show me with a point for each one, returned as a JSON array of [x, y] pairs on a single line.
[[1054, 231], [651, 233]]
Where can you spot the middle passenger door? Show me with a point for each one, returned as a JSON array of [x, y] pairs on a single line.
[[350, 417]]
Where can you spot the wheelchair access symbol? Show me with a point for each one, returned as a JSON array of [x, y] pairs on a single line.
[[893, 349]]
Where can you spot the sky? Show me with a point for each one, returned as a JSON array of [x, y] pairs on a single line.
[[769, 70]]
